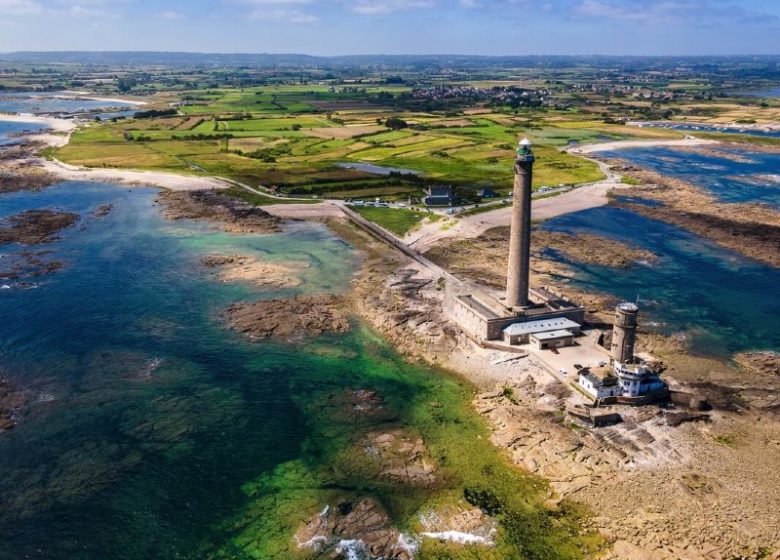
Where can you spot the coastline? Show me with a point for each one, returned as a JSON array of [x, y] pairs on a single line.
[[170, 181], [84, 95], [688, 141], [57, 125], [401, 301]]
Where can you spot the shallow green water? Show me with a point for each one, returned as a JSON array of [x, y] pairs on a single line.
[[154, 433], [148, 414]]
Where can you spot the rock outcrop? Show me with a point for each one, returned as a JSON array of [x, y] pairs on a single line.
[[245, 268], [291, 318], [11, 401], [34, 227], [230, 213], [356, 528]]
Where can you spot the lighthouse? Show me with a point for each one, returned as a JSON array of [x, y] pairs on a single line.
[[520, 235]]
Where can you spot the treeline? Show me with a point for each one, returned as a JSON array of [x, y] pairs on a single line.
[[153, 113]]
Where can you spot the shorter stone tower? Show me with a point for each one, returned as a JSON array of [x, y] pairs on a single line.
[[624, 332]]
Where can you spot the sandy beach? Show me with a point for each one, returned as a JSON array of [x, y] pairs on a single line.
[[688, 141], [84, 95], [170, 181]]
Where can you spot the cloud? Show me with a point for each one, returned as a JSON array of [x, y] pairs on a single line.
[[170, 15], [283, 16], [671, 12], [19, 8], [383, 7]]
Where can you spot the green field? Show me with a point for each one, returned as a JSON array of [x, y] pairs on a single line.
[[396, 220], [295, 136]]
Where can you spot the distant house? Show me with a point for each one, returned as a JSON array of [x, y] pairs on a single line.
[[440, 196], [487, 193]]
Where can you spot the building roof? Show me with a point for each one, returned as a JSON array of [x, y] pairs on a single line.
[[445, 190], [542, 325], [552, 335], [598, 382]]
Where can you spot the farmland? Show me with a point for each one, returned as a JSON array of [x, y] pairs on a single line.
[[303, 141]]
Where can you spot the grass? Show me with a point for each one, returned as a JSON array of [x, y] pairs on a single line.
[[481, 209], [395, 220], [281, 137], [262, 200]]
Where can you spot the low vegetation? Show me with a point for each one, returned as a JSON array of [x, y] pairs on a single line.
[[396, 220]]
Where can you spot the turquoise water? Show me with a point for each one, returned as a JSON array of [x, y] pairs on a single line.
[[9, 130], [152, 433], [146, 416], [50, 102], [737, 176], [720, 301]]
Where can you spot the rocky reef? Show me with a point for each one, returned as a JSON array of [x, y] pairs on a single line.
[[34, 227], [245, 268], [17, 171], [230, 213], [291, 318], [751, 229], [11, 401], [28, 264]]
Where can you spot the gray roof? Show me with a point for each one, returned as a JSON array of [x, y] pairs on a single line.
[[543, 325], [552, 335]]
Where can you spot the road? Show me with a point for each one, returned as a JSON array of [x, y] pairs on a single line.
[[587, 196]]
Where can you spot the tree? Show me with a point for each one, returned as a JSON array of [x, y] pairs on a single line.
[[395, 123]]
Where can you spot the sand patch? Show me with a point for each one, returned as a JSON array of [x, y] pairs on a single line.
[[245, 268]]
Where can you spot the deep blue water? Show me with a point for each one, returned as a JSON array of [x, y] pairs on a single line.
[[728, 129], [49, 102], [723, 302], [755, 177], [146, 414], [8, 130]]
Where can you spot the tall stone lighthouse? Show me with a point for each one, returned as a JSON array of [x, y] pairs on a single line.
[[520, 236]]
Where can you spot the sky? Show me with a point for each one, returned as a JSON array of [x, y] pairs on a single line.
[[336, 27]]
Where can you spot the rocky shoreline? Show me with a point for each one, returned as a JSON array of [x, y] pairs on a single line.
[[670, 474], [245, 268], [18, 171], [292, 319], [229, 213], [33, 227], [750, 229], [11, 402]]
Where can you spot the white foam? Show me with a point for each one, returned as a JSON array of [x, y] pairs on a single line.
[[353, 549], [459, 537], [316, 542]]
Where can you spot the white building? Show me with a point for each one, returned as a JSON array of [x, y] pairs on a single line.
[[624, 382], [599, 383], [545, 333]]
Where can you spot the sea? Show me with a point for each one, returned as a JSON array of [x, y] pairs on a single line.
[[729, 174], [151, 430], [715, 299], [725, 129], [31, 102], [10, 131]]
